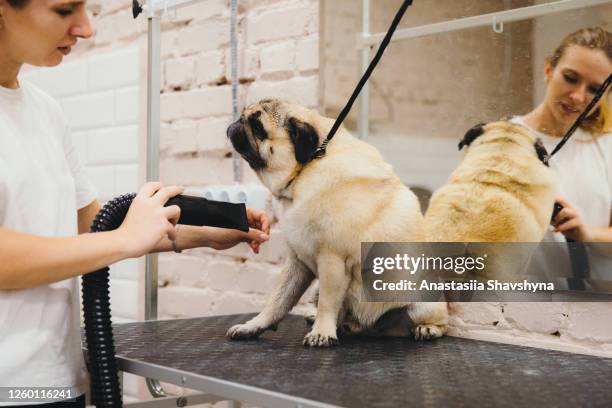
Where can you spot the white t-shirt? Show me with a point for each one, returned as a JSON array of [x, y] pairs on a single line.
[[42, 185], [584, 178]]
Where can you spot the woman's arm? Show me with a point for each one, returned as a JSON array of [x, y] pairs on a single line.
[[27, 260], [220, 238]]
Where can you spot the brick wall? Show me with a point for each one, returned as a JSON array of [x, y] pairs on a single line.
[[277, 56]]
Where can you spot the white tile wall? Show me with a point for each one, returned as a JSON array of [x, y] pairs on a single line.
[[100, 97]]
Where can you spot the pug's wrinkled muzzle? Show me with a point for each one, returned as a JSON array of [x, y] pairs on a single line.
[[240, 142]]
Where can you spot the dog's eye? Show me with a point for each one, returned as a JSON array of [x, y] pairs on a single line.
[[271, 150], [256, 127]]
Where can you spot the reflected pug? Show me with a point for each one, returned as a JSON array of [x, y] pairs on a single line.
[[330, 205], [502, 191]]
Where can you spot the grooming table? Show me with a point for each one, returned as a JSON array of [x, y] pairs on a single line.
[[277, 371]]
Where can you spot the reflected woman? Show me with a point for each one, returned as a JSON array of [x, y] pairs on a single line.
[[573, 74]]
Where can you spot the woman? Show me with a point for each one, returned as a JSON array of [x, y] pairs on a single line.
[[46, 199], [573, 74]]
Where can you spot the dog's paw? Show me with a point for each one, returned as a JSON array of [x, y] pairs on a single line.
[[428, 331], [313, 339], [247, 330]]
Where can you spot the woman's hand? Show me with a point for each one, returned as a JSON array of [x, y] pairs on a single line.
[[569, 222], [148, 222], [220, 238]]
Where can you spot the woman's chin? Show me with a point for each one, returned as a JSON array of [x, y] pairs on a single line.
[[52, 60]]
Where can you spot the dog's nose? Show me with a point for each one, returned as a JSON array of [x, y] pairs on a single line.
[[234, 128]]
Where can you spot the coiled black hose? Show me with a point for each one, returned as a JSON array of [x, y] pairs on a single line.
[[105, 388], [198, 211]]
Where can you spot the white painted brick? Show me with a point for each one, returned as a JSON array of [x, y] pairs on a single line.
[[168, 43], [66, 79], [185, 302], [302, 90], [183, 270], [536, 317], [196, 171], [197, 103], [212, 134], [104, 27], [124, 295], [127, 106], [112, 145], [248, 63], [312, 27], [116, 26], [179, 72], [278, 24], [103, 179], [126, 179], [278, 58], [110, 6], [210, 67], [91, 110], [481, 313], [228, 274], [126, 26], [181, 137], [171, 106], [591, 321], [307, 53], [232, 303], [208, 101], [114, 69], [201, 11], [206, 36]]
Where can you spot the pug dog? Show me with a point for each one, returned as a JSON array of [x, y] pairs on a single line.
[[330, 205], [502, 191]]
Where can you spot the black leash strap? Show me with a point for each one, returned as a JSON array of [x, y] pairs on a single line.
[[320, 152], [578, 122]]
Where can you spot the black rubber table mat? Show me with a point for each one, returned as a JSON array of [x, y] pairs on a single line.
[[373, 372]]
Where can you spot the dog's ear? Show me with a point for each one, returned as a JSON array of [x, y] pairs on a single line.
[[305, 139], [541, 151], [471, 135]]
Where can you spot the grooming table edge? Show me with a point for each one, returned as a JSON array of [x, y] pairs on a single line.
[[278, 371]]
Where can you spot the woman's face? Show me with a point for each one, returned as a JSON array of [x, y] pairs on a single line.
[[44, 31], [574, 81]]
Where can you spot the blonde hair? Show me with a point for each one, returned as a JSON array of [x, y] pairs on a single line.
[[596, 38]]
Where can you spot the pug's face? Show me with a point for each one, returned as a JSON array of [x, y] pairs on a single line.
[[273, 135]]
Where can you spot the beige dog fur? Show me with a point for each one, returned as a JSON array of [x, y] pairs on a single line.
[[500, 192], [330, 205]]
